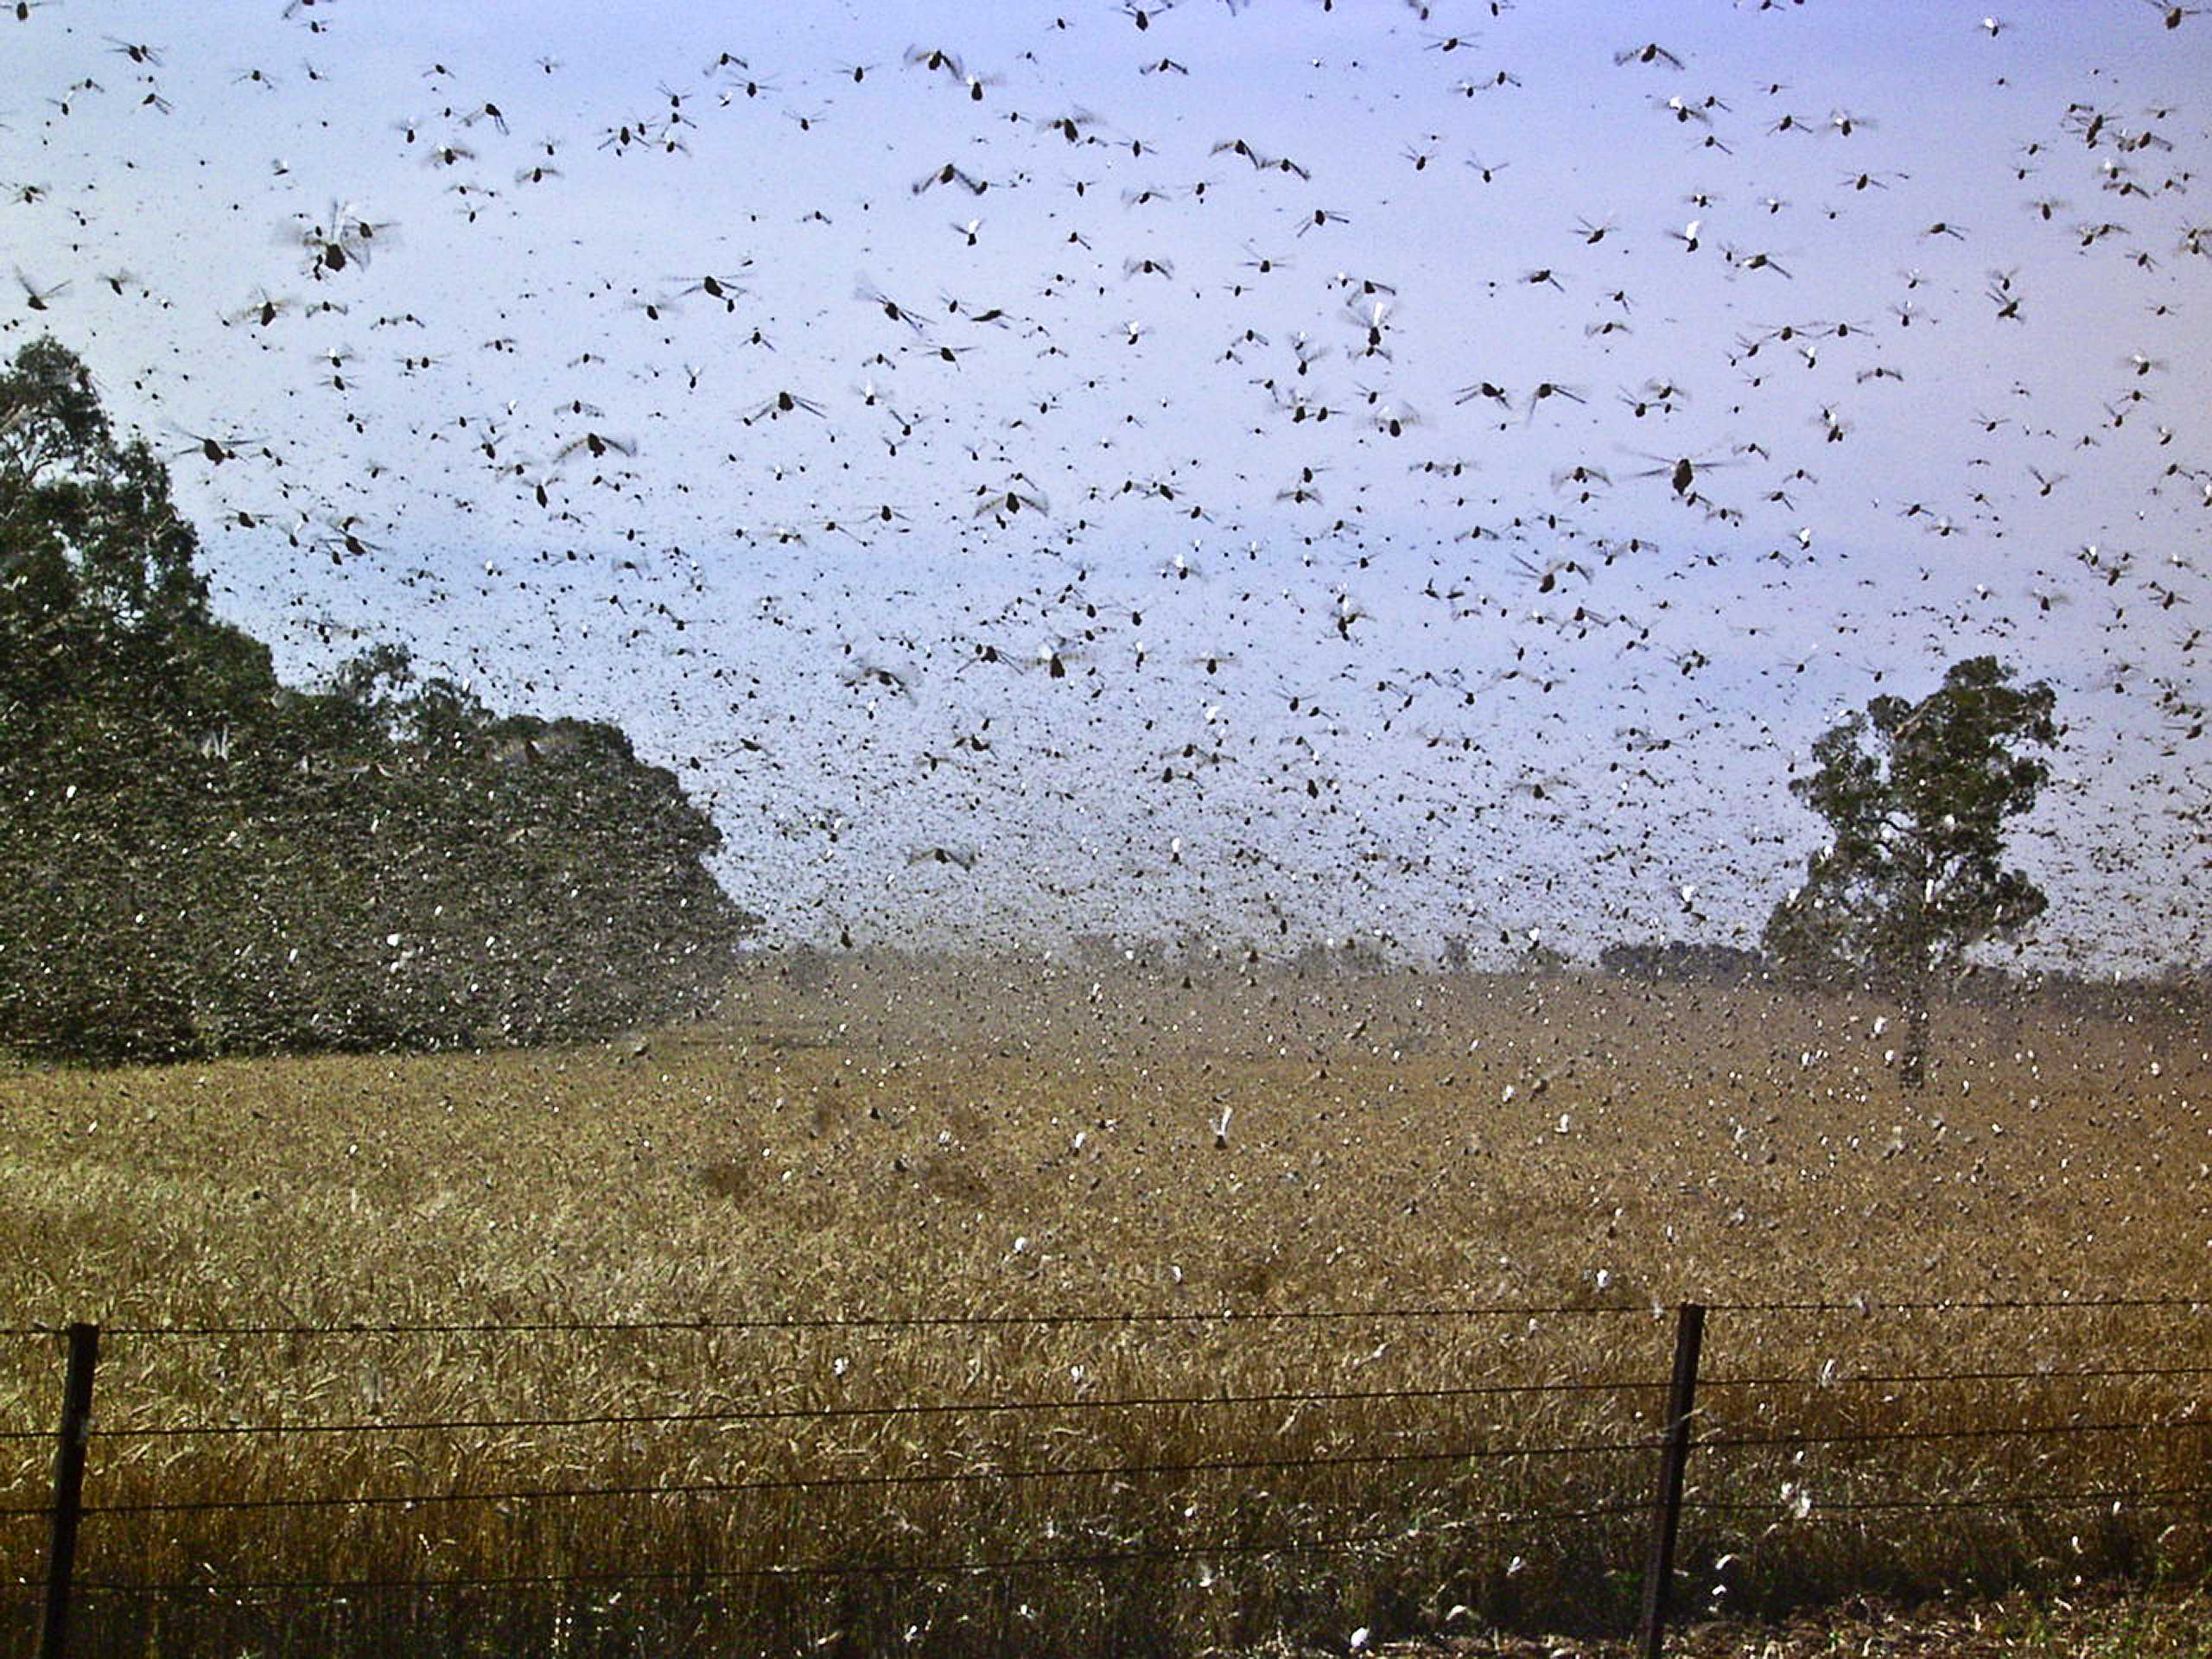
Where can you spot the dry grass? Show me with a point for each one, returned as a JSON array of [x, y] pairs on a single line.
[[2100, 1624], [1007, 1139]]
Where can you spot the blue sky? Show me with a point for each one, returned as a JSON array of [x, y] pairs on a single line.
[[1554, 692]]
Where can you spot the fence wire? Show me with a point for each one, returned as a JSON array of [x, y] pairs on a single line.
[[1856, 1306], [1709, 1439], [903, 1408]]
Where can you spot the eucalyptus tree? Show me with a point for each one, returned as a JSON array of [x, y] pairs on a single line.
[[1916, 797]]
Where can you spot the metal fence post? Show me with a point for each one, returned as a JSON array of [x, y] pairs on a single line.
[[1667, 1501], [68, 1488]]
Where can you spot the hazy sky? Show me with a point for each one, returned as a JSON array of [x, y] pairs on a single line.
[[1344, 640]]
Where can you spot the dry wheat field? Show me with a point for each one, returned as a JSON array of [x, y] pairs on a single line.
[[985, 1306]]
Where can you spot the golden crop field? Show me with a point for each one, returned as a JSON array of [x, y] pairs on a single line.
[[1396, 1252]]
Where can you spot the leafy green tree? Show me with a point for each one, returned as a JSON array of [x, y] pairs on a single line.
[[1917, 796], [195, 858], [115, 680]]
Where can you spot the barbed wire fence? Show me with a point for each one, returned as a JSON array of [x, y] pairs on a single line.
[[2085, 1431]]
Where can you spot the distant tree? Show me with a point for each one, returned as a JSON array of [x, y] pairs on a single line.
[[1917, 796], [1538, 956], [195, 858]]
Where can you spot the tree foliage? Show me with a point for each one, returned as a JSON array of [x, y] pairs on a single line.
[[195, 858], [1917, 796], [1686, 961]]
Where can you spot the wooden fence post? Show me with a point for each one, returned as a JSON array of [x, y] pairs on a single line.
[[1667, 1501], [68, 1488]]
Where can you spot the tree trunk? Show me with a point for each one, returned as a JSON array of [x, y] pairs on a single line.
[[1912, 1067]]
